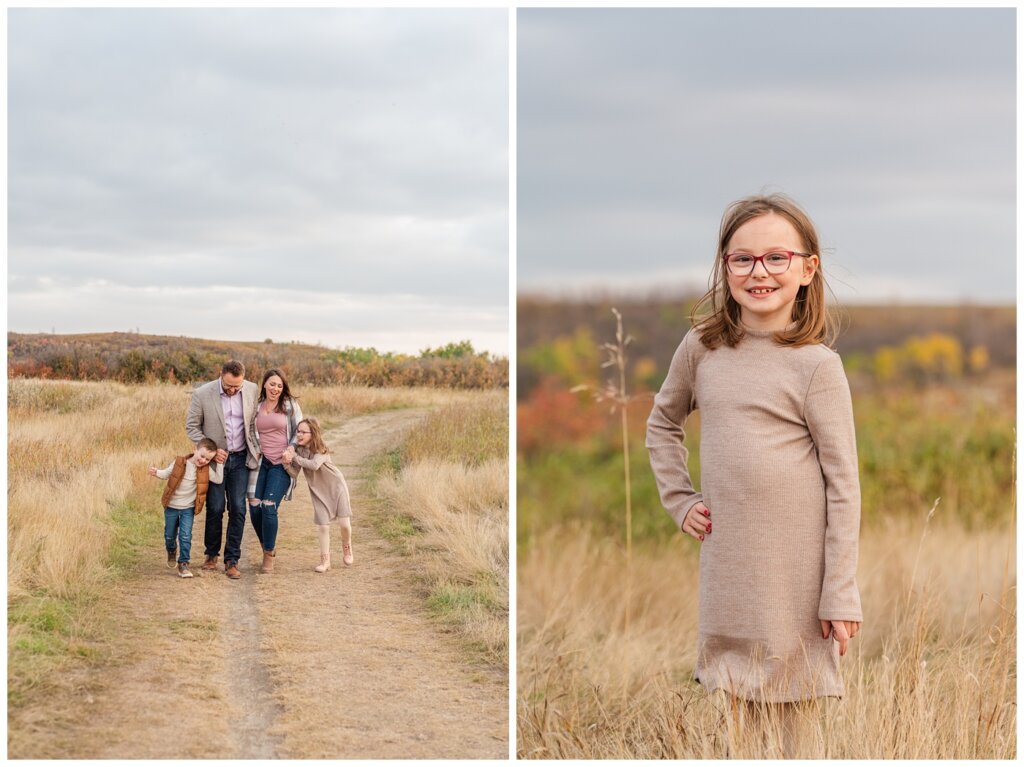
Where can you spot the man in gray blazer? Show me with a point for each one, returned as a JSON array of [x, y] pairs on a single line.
[[222, 410]]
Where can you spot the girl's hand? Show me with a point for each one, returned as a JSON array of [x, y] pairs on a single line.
[[841, 631], [152, 471], [697, 521]]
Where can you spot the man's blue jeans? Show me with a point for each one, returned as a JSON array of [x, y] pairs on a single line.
[[178, 526], [236, 479], [271, 485]]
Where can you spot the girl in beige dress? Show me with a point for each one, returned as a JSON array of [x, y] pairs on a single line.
[[778, 513], [327, 488]]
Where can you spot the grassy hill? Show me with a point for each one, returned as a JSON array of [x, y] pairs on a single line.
[[134, 358]]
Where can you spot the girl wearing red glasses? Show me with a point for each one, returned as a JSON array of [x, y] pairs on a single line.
[[778, 512]]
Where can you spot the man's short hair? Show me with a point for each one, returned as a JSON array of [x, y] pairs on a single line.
[[206, 444], [233, 367]]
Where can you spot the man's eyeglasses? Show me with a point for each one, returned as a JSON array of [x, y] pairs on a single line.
[[776, 262]]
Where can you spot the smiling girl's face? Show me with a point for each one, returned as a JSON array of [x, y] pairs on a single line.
[[766, 300], [303, 434]]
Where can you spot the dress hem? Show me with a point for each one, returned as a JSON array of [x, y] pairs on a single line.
[[710, 687]]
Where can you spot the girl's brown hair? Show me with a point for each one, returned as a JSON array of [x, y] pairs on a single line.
[[717, 315], [316, 442]]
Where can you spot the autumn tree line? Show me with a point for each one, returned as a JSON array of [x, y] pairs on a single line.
[[136, 358], [914, 345]]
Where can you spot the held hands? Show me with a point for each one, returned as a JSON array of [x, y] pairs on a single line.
[[697, 522], [221, 456], [842, 632], [287, 455]]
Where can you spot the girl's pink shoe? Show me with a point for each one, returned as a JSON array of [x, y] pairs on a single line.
[[346, 550], [325, 564]]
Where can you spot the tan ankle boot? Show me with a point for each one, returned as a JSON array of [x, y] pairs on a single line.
[[268, 562], [325, 564]]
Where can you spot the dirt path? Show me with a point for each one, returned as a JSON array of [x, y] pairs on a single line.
[[296, 664]]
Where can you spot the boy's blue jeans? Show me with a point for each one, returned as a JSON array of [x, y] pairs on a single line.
[[272, 484], [178, 524]]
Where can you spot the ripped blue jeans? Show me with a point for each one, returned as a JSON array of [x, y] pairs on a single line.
[[271, 485]]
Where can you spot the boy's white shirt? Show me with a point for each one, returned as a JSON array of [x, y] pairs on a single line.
[[216, 471]]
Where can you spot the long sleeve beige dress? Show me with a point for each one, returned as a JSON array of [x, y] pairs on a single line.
[[779, 475], [327, 487]]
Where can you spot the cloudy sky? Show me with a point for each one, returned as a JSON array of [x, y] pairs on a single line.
[[331, 175], [895, 129]]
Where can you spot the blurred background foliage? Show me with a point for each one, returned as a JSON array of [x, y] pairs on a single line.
[[934, 405]]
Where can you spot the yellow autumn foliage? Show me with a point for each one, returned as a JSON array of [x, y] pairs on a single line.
[[935, 357]]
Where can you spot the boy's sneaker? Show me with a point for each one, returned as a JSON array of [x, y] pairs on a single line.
[[172, 557], [183, 571]]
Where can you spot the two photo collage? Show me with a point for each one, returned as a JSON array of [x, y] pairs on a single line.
[[511, 382]]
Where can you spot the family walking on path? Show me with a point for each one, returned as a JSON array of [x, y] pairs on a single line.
[[250, 444]]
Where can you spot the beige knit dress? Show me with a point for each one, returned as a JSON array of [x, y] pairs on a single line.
[[779, 476], [327, 486]]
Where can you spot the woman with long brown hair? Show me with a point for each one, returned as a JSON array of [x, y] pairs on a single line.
[[273, 430]]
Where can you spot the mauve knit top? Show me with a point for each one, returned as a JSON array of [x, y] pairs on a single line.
[[779, 475]]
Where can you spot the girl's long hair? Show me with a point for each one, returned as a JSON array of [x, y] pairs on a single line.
[[316, 442], [717, 315], [286, 393]]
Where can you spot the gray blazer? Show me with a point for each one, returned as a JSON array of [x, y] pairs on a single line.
[[206, 417]]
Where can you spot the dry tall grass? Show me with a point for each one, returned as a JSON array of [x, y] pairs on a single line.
[[346, 401], [79, 497], [75, 451], [931, 675], [453, 487], [78, 449]]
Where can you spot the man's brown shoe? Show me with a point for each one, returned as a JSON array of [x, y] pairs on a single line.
[[209, 564], [231, 570]]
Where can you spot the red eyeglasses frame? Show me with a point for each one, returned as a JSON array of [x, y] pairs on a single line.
[[762, 257]]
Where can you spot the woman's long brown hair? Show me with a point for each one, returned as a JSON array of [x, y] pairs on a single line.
[[717, 315]]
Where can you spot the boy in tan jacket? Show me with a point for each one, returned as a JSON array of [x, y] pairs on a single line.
[[188, 478]]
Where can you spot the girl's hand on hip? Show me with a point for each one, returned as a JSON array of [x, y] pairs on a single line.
[[841, 631], [697, 521]]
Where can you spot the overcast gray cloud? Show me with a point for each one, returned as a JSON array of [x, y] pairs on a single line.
[[333, 174], [894, 128]]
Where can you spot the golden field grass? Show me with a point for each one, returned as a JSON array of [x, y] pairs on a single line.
[[931, 675], [605, 669], [448, 489], [80, 503], [607, 643], [346, 401]]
